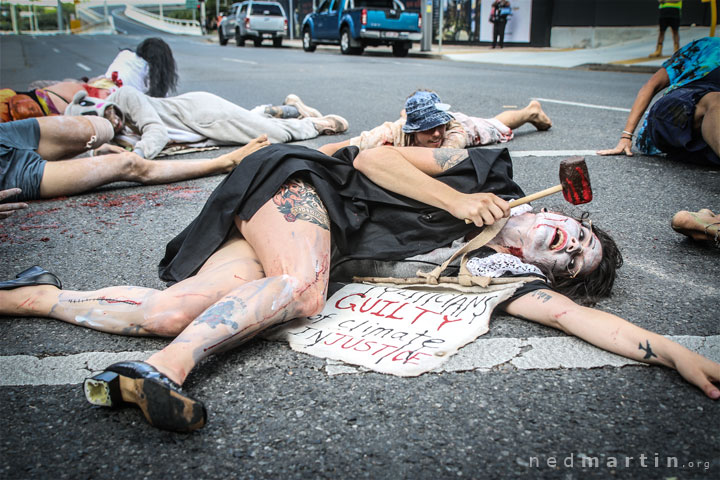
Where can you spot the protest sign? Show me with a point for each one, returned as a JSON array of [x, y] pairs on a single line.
[[400, 331]]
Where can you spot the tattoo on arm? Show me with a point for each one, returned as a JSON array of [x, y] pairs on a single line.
[[542, 296], [449, 157], [648, 351], [297, 200]]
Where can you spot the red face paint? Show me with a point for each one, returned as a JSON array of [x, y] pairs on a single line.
[[516, 251]]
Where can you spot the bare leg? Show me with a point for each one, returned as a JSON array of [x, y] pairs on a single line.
[[64, 137], [676, 39], [295, 254], [707, 120], [660, 41], [701, 226], [533, 113], [79, 175], [137, 310]]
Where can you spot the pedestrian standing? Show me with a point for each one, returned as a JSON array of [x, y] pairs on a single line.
[[499, 13], [668, 16]]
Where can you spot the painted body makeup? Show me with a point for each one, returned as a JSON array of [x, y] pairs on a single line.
[[556, 242]]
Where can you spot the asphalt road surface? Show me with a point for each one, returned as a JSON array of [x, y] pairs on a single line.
[[276, 413]]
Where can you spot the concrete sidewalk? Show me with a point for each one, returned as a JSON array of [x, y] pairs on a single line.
[[630, 55]]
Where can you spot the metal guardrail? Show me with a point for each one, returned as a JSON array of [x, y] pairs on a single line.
[[170, 25]]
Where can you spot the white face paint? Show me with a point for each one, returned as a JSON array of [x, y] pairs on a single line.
[[562, 245]]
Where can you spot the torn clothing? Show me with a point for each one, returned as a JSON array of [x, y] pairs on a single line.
[[463, 132]]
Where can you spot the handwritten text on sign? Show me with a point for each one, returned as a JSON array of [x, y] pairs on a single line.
[[400, 331]]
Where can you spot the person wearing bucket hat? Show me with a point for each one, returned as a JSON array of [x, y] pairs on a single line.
[[424, 111], [39, 159], [427, 122], [201, 119]]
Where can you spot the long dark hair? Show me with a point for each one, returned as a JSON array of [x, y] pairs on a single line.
[[163, 71]]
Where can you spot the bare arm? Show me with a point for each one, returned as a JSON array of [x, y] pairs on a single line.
[[409, 171], [657, 82], [331, 148], [617, 335]]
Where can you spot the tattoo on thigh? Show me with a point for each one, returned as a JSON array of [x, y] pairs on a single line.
[[449, 157], [297, 200]]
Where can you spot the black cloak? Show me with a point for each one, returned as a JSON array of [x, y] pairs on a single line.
[[367, 221]]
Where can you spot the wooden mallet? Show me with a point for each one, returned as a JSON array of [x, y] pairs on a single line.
[[574, 183]]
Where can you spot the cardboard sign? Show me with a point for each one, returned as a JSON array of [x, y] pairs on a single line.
[[400, 331]]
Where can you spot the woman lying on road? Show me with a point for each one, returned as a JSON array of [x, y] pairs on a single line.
[[260, 254]]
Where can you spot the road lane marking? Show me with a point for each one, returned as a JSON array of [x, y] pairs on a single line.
[[236, 60], [56, 50], [586, 105], [552, 153], [84, 67], [533, 353]]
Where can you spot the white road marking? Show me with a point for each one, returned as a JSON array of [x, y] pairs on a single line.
[[56, 50], [534, 353], [236, 60], [84, 67], [552, 153], [586, 105]]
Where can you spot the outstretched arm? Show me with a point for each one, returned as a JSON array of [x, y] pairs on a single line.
[[657, 82], [617, 335], [409, 171]]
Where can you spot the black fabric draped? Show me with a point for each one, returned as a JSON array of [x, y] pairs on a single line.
[[367, 221]]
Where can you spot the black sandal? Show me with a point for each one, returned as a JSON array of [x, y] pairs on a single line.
[[31, 277], [161, 400]]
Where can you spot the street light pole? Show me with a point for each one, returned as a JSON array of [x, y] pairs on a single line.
[[59, 16], [441, 26], [292, 19]]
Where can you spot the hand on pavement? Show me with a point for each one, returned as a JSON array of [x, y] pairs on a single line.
[[7, 209], [623, 146], [701, 372]]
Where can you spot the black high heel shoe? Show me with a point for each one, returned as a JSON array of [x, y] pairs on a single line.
[[31, 277], [161, 400]]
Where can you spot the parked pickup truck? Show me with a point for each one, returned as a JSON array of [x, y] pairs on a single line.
[[356, 24]]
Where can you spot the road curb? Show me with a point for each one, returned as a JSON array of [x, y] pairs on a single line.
[[605, 67]]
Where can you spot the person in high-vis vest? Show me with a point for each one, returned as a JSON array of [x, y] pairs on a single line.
[[669, 16]]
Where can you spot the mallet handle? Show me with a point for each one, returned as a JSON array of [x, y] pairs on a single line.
[[530, 198], [535, 196]]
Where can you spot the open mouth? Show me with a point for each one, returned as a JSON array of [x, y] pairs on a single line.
[[558, 240]]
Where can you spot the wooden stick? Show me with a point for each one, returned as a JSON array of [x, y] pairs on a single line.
[[530, 198]]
